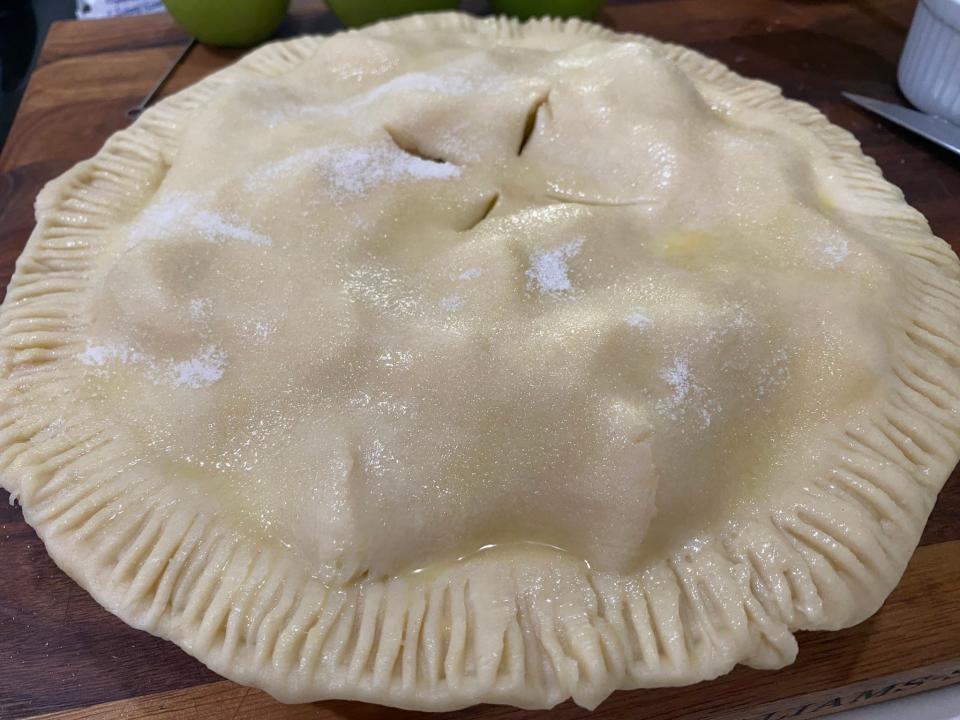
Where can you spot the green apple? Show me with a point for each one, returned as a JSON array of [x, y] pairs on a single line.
[[232, 23], [524, 9], [363, 12]]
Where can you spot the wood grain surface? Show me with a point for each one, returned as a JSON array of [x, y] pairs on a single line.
[[63, 655]]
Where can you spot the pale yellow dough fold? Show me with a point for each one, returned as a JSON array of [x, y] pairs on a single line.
[[454, 361]]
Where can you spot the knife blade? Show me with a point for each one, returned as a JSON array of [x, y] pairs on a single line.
[[942, 132]]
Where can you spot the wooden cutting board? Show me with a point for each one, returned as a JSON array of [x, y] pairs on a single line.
[[61, 653]]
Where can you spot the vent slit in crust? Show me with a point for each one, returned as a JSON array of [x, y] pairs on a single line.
[[530, 123], [485, 211], [410, 145]]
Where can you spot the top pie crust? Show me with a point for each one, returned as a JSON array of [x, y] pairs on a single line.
[[455, 360]]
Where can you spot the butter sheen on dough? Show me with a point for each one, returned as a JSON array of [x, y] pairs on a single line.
[[452, 356]]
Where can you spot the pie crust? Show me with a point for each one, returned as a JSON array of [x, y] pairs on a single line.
[[459, 360]]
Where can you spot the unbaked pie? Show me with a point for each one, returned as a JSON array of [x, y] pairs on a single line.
[[455, 361]]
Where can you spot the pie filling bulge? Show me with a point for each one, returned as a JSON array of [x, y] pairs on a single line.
[[512, 298]]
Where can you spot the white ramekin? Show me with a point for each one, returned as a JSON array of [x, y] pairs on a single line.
[[929, 72]]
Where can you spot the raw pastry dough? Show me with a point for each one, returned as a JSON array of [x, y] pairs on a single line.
[[457, 361]]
